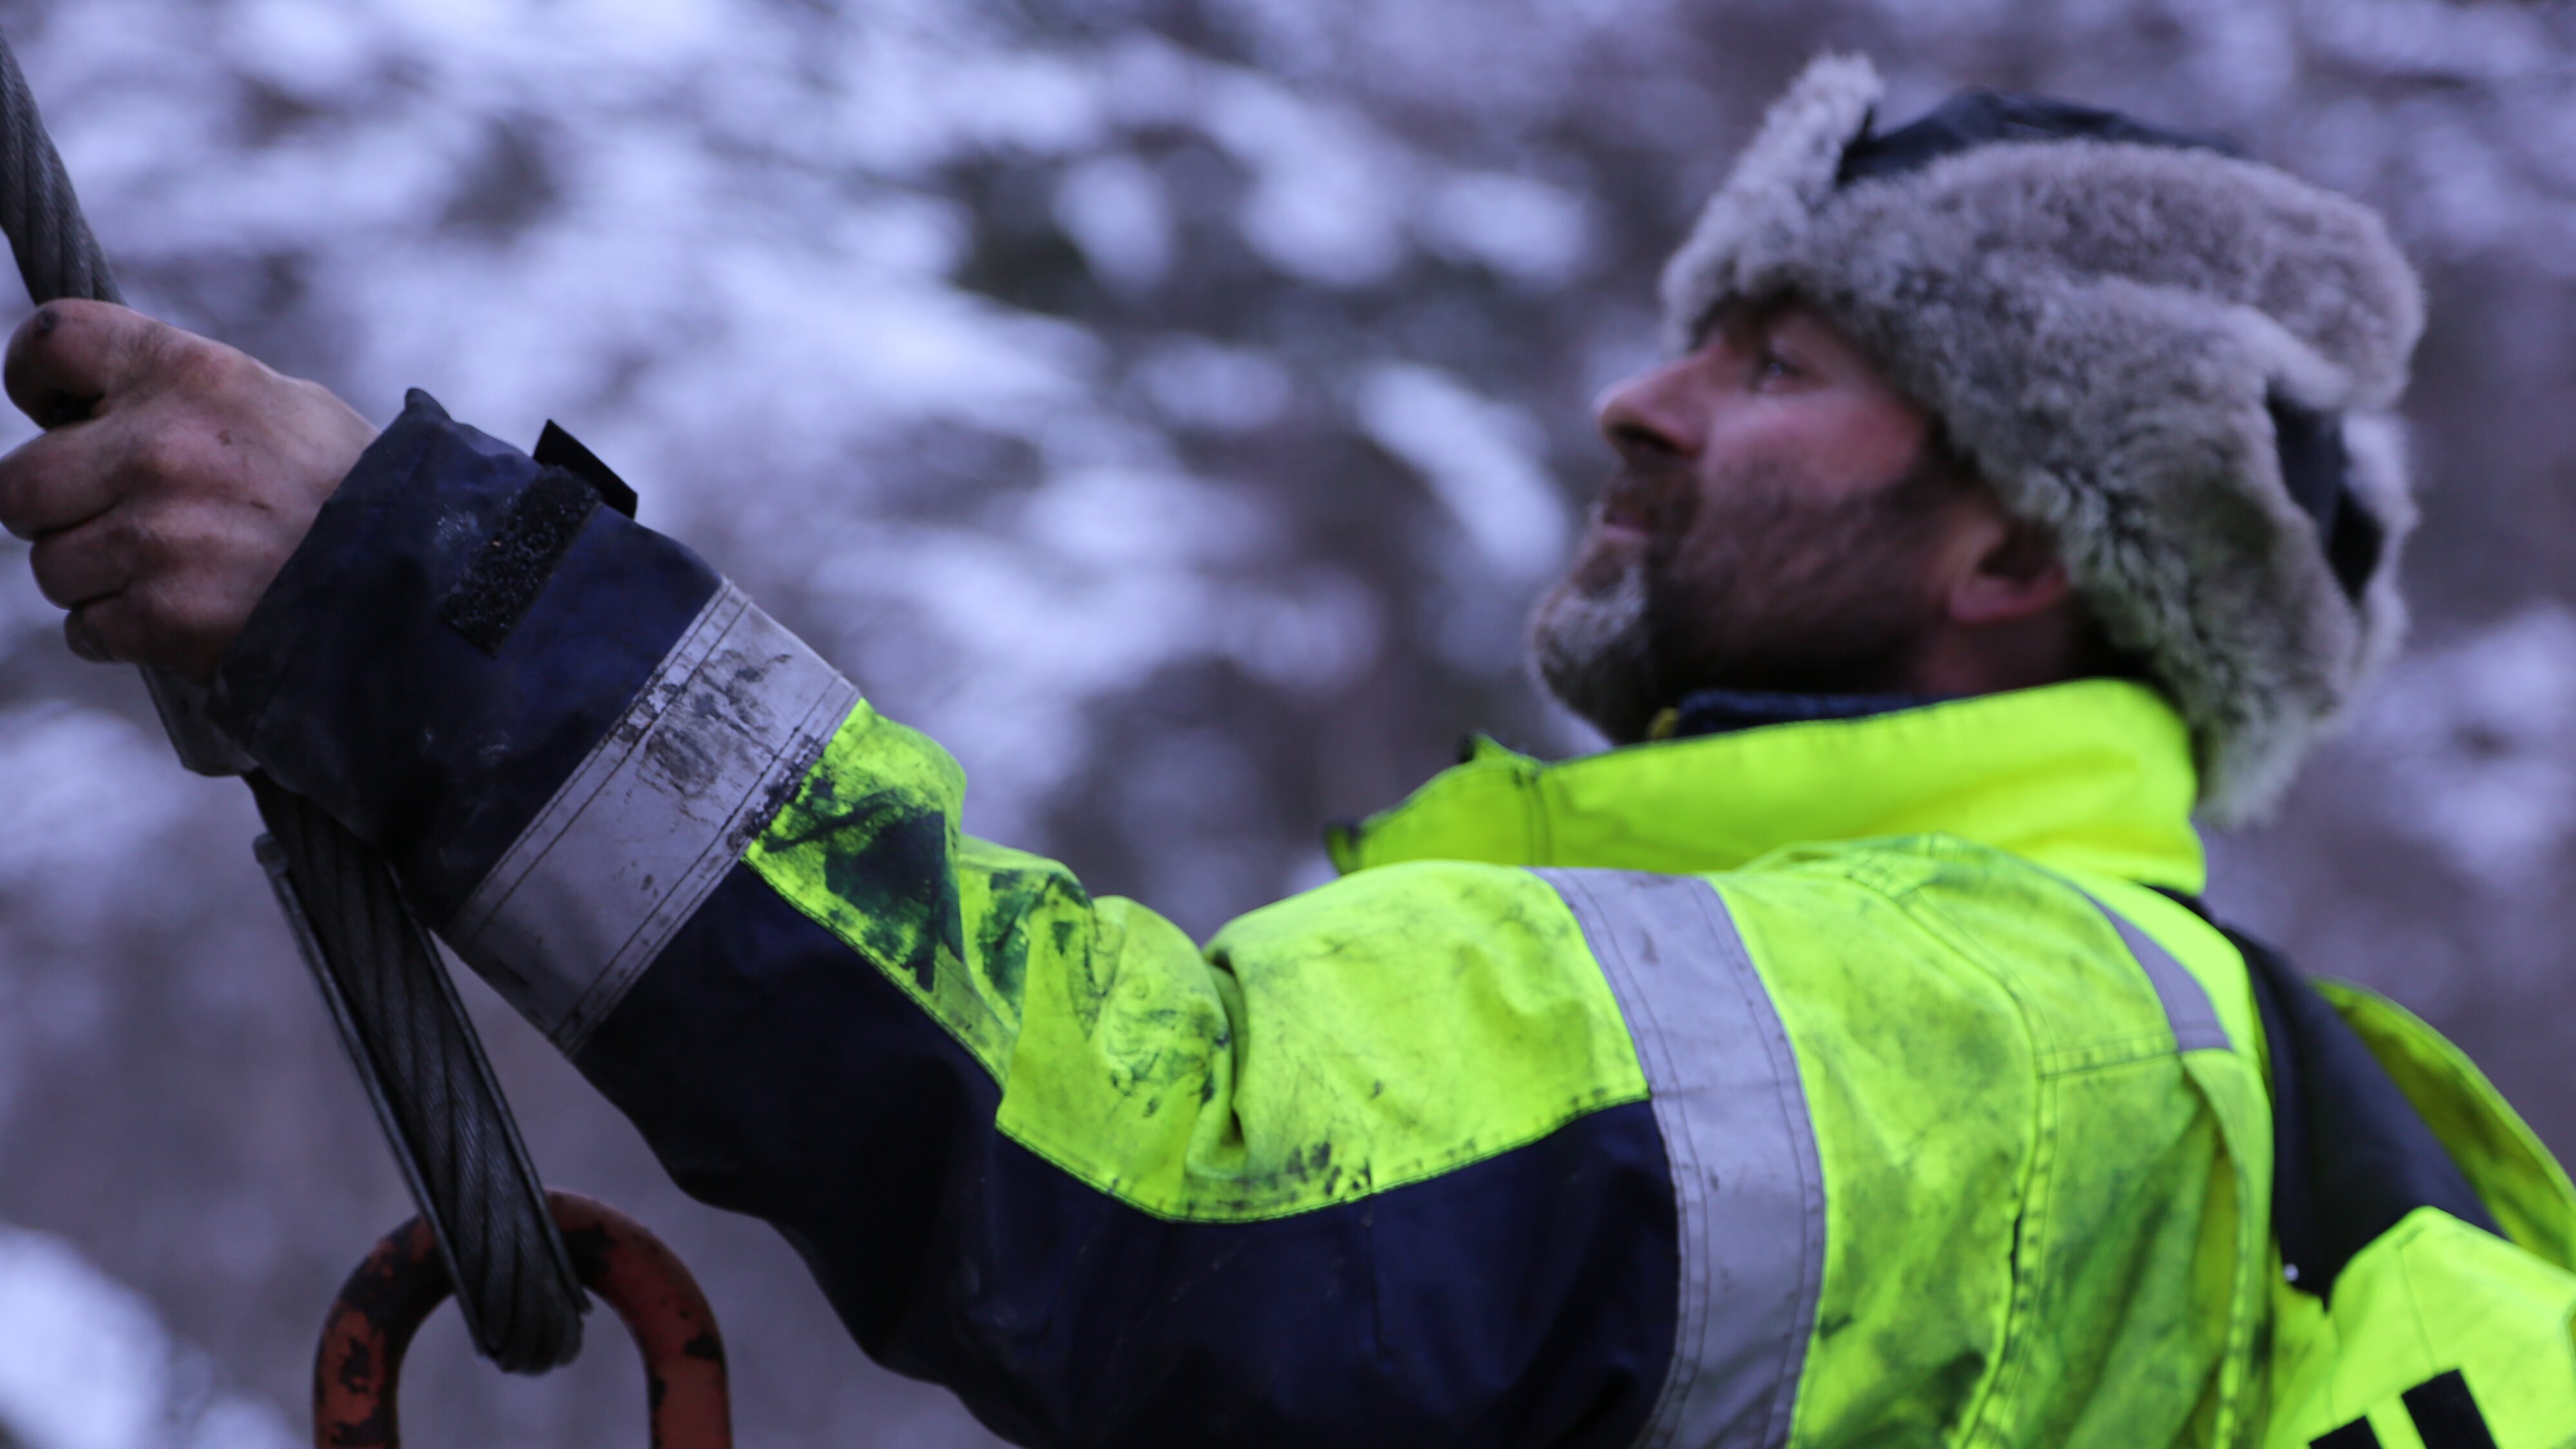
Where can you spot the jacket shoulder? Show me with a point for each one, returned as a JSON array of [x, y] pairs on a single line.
[[1924, 919], [2011, 1144], [2504, 1160]]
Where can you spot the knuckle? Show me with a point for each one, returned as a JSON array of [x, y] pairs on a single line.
[[312, 396], [160, 455], [184, 362]]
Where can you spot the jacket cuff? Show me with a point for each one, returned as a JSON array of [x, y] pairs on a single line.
[[454, 636], [561, 728]]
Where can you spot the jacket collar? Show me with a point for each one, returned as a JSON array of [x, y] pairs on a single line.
[[2091, 775], [1724, 711]]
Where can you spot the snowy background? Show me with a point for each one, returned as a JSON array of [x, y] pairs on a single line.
[[1172, 405]]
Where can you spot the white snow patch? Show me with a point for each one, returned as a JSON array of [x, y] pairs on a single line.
[[1527, 230], [1123, 517], [85, 1364], [1327, 191], [1114, 209], [1197, 383], [88, 792], [1481, 459], [2478, 741]]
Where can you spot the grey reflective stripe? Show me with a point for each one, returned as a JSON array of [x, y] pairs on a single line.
[[1746, 1178], [2195, 1022], [636, 839]]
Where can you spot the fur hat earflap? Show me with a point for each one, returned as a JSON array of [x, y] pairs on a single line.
[[2181, 361]]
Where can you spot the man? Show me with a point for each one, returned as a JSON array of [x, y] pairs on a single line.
[[1841, 1061]]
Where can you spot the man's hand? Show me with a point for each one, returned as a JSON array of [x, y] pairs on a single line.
[[174, 477]]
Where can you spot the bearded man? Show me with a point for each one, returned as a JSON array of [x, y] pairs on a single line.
[[1840, 1059]]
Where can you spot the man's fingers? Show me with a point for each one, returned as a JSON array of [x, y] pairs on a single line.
[[80, 565], [61, 480], [81, 632], [72, 356], [174, 479], [134, 627]]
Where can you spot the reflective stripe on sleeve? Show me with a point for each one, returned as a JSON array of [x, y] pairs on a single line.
[[1746, 1177], [652, 819], [2195, 1022]]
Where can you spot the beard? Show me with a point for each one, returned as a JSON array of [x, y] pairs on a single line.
[[1592, 647], [1760, 581]]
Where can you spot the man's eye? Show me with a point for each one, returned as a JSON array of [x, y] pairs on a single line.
[[1771, 367]]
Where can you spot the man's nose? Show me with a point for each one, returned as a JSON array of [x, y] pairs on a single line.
[[1658, 414]]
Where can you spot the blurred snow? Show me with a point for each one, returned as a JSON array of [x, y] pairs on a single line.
[[2478, 744], [2478, 44], [1326, 200], [85, 1364], [1114, 209], [1534, 233], [88, 794], [1197, 383], [1479, 458]]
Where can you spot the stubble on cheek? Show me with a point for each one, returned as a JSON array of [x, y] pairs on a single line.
[[1777, 588], [1761, 582]]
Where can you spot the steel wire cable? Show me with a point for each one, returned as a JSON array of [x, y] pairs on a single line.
[[389, 994]]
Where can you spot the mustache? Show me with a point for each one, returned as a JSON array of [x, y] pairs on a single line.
[[1657, 498]]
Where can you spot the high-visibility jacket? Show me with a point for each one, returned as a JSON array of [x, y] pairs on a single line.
[[2427, 1240], [1837, 1082]]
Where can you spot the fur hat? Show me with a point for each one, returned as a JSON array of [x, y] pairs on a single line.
[[2180, 361]]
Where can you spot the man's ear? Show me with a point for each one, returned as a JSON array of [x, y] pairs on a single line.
[[2011, 571]]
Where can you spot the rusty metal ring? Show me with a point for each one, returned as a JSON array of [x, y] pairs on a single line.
[[358, 1370]]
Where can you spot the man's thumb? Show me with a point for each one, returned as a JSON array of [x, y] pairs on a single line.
[[72, 356]]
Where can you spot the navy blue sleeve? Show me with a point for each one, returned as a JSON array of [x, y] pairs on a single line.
[[351, 686], [464, 644], [1526, 1300]]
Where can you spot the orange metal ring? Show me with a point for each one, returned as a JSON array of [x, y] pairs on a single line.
[[358, 1371]]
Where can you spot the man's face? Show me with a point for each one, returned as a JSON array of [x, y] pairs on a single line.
[[1773, 525]]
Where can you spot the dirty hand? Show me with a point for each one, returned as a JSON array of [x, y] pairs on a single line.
[[174, 477]]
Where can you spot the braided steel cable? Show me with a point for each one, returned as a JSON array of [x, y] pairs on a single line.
[[432, 1088], [396, 1008], [51, 239]]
